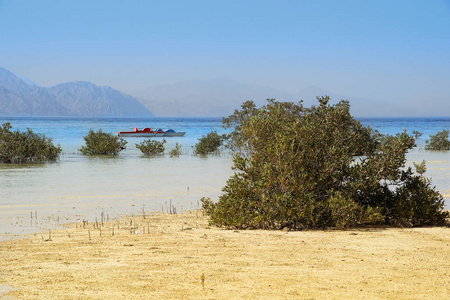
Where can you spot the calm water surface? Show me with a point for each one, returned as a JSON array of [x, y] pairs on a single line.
[[78, 187]]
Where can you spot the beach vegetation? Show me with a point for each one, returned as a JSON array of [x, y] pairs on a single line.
[[18, 147], [151, 147], [416, 134], [299, 167], [209, 143], [438, 141], [175, 152], [102, 143], [421, 168]]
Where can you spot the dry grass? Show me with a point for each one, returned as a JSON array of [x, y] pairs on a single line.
[[182, 257]]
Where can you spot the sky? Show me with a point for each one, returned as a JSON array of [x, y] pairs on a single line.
[[388, 50]]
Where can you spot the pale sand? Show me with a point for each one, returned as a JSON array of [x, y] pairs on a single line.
[[168, 262]]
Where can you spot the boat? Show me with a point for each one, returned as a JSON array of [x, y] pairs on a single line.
[[171, 132], [158, 132], [147, 132]]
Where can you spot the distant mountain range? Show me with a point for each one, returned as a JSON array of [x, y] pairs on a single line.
[[220, 97], [195, 98], [215, 98], [21, 98]]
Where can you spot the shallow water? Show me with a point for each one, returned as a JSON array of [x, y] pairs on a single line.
[[78, 187], [438, 169], [83, 188]]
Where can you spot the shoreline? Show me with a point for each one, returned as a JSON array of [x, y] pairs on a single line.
[[129, 184], [167, 255]]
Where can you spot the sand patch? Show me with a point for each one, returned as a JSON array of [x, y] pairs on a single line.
[[165, 257]]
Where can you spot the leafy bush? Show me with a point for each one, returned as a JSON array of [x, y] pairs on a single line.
[[175, 151], [209, 143], [26, 147], [317, 167], [416, 203], [439, 141], [101, 143], [420, 168], [151, 147]]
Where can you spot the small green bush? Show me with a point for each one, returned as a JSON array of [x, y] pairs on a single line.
[[151, 147], [209, 143], [420, 168], [175, 151], [26, 147], [439, 141], [102, 143]]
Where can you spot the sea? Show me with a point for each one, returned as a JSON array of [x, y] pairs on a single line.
[[77, 188]]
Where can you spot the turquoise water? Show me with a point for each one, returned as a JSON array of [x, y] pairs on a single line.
[[69, 132], [426, 126], [78, 187]]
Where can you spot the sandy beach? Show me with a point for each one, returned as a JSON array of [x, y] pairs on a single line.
[[179, 256]]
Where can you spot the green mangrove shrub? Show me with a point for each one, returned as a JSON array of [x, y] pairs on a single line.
[[151, 147], [316, 167], [175, 151], [18, 147], [209, 143], [102, 143], [438, 141]]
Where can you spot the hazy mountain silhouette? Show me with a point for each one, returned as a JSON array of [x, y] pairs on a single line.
[[18, 98], [358, 107], [220, 97], [87, 99], [194, 98], [213, 98]]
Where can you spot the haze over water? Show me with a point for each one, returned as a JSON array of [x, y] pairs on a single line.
[[78, 187]]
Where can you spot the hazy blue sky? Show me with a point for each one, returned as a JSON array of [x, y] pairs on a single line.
[[378, 49]]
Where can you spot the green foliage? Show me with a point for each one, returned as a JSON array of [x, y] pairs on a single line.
[[207, 205], [209, 143], [236, 141], [415, 203], [26, 147], [420, 168], [151, 147], [344, 212], [175, 151], [316, 167], [439, 141], [102, 143], [416, 134]]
